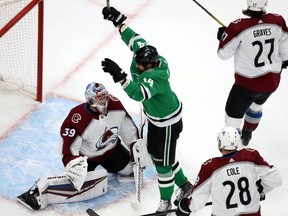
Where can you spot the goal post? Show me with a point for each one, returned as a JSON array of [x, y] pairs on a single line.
[[21, 45]]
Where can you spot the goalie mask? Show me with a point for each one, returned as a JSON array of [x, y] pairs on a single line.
[[97, 96], [228, 138], [257, 5]]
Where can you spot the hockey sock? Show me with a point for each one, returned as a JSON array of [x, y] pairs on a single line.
[[165, 181]]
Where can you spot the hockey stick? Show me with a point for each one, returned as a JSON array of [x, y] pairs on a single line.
[[209, 13], [108, 3], [91, 212], [169, 211], [136, 201]]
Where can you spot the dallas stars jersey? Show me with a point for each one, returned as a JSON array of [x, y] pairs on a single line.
[[151, 87], [231, 182], [259, 47]]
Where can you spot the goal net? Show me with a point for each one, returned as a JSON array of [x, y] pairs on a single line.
[[21, 45]]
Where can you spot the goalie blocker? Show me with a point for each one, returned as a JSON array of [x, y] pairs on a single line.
[[58, 189], [139, 152]]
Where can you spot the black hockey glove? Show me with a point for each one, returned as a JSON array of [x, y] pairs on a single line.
[[285, 64], [113, 15], [115, 71], [220, 32], [260, 190], [183, 207]]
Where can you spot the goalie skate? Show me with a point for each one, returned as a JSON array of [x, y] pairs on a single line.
[[29, 199], [125, 178]]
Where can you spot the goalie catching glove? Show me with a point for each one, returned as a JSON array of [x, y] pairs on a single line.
[[113, 15], [76, 171], [139, 153]]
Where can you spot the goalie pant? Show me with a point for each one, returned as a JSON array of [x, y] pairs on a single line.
[[58, 189]]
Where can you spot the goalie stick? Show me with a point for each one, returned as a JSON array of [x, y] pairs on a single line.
[[136, 201]]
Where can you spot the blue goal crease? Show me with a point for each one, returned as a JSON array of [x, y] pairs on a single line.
[[32, 151]]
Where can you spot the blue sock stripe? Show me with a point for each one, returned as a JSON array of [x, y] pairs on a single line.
[[253, 114]]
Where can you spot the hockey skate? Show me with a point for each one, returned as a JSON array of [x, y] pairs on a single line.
[[164, 205], [183, 192], [29, 199], [246, 136], [125, 178]]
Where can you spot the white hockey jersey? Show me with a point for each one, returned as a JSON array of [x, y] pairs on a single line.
[[259, 46], [231, 182], [95, 135]]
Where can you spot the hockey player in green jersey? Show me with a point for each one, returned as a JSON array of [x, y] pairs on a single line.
[[150, 85]]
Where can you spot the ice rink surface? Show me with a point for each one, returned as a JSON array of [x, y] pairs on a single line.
[[77, 39]]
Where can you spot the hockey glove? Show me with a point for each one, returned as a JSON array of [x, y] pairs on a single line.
[[113, 15], [76, 171], [115, 71], [260, 190], [285, 64], [183, 207], [220, 32]]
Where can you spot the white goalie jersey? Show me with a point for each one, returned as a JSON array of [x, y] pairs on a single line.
[[95, 135], [231, 182]]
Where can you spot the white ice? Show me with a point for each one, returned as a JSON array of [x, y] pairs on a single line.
[[77, 39]]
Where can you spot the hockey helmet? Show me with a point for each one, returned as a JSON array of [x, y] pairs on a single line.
[[97, 96], [257, 5], [146, 55], [228, 138]]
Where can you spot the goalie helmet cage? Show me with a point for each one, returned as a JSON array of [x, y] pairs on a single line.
[[21, 44]]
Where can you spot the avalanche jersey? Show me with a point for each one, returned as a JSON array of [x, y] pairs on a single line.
[[94, 135], [230, 180], [152, 87], [259, 46]]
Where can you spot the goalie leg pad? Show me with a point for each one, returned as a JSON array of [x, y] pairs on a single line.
[[63, 192], [58, 189]]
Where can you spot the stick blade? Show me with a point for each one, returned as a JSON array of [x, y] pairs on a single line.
[[91, 212], [135, 205]]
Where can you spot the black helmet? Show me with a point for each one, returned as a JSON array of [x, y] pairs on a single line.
[[146, 55]]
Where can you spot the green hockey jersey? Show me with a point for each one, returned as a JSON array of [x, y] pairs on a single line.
[[151, 87]]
